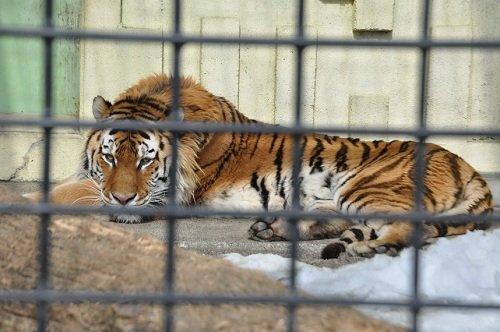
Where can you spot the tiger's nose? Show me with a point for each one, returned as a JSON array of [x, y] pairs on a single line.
[[124, 199]]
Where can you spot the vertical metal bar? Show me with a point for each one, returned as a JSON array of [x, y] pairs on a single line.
[[44, 237], [172, 203], [296, 167], [420, 166]]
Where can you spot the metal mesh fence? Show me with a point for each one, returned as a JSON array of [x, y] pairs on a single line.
[[170, 297]]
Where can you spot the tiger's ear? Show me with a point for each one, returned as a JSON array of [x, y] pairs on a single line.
[[100, 108], [179, 115], [169, 114]]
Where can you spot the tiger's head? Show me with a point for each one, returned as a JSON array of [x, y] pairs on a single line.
[[131, 167]]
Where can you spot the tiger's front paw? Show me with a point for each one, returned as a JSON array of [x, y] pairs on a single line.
[[264, 230]]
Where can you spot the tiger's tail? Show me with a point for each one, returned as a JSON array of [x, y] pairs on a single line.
[[476, 199]]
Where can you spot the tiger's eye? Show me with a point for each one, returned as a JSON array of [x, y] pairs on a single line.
[[109, 158], [145, 162]]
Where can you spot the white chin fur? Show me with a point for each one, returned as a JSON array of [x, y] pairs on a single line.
[[127, 219]]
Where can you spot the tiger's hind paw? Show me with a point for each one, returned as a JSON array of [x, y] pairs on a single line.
[[371, 248], [333, 250], [263, 230], [365, 249]]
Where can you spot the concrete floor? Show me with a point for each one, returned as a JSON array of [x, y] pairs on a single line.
[[218, 236]]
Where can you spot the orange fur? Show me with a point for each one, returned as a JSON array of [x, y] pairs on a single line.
[[84, 193]]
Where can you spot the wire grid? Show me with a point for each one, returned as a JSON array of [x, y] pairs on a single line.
[[169, 298]]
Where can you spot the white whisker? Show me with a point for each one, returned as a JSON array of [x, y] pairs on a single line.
[[95, 186], [92, 199]]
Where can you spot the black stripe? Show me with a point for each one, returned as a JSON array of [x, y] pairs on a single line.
[[114, 131], [316, 161], [304, 143], [368, 179], [318, 166], [264, 193], [476, 203], [275, 136], [93, 158], [145, 116], [402, 189], [143, 134], [354, 141], [282, 189], [241, 119], [383, 151], [346, 180], [278, 161], [341, 158], [204, 139], [346, 240], [358, 234], [442, 228], [478, 178], [133, 114], [404, 146], [86, 163], [366, 153], [402, 205], [316, 151], [144, 100], [328, 181], [455, 170], [429, 195], [231, 111], [253, 181], [358, 198], [221, 108], [429, 154], [130, 132], [119, 112], [256, 145], [222, 160]]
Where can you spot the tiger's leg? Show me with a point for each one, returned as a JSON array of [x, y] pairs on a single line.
[[278, 229], [368, 240], [379, 236], [72, 192]]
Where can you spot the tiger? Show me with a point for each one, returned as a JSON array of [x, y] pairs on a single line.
[[249, 171]]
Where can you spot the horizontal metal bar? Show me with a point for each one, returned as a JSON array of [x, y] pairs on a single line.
[[181, 127], [214, 299], [44, 32], [192, 212]]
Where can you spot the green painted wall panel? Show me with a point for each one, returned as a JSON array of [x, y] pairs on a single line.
[[21, 59]]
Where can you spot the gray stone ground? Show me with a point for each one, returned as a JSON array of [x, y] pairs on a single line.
[[215, 236]]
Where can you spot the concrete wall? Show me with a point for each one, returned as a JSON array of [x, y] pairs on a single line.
[[349, 87]]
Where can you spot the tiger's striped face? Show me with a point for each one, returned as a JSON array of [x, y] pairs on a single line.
[[131, 168]]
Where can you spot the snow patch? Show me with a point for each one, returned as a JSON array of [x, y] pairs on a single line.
[[457, 270]]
